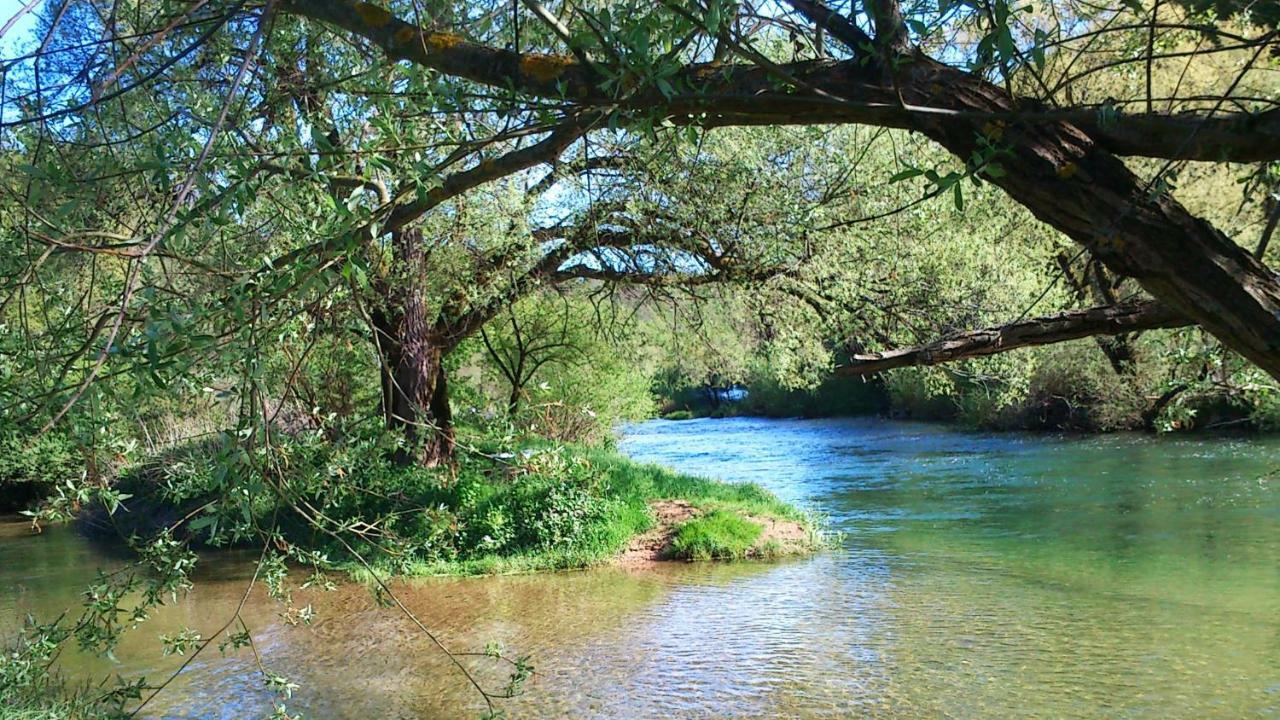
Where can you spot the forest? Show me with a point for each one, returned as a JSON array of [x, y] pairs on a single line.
[[362, 293]]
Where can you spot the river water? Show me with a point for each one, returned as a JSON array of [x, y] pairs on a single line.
[[979, 576]]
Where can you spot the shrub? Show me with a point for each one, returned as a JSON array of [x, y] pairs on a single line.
[[552, 513], [717, 535], [31, 463]]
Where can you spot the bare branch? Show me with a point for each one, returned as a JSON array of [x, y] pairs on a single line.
[[1045, 330]]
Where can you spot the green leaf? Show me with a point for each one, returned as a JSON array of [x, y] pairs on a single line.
[[1004, 40], [906, 175]]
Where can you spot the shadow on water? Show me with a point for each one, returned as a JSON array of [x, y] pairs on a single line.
[[981, 575]]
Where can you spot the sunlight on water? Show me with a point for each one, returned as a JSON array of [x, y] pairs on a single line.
[[980, 576]]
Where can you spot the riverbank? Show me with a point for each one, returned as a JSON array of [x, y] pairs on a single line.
[[533, 507], [1205, 415], [1053, 400]]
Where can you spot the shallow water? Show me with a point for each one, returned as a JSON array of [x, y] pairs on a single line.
[[979, 576]]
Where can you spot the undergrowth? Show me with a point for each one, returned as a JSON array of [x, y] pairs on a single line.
[[348, 504]]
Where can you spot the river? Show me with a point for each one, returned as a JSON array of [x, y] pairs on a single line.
[[979, 575]]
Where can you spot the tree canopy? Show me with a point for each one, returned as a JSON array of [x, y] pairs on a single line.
[[251, 230]]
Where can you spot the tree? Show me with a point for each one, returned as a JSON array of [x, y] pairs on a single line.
[[1060, 162], [358, 169], [544, 334], [388, 190]]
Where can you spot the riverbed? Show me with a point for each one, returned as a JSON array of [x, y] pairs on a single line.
[[978, 575]]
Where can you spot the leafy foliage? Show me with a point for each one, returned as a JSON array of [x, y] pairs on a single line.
[[31, 464]]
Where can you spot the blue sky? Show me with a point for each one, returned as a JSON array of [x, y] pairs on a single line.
[[20, 31]]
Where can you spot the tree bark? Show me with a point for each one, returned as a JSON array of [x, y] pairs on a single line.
[[415, 394], [1071, 325], [1073, 184], [745, 94]]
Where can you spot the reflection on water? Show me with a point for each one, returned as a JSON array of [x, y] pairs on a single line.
[[981, 575]]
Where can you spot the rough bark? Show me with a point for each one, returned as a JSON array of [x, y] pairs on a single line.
[[1070, 182], [415, 396], [1045, 330]]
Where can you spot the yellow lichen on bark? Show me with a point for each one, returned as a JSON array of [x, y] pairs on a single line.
[[441, 41], [405, 35], [545, 68]]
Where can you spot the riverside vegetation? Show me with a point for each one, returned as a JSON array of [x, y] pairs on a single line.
[[369, 290], [506, 506]]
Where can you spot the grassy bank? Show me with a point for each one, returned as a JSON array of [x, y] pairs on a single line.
[[589, 517], [346, 504]]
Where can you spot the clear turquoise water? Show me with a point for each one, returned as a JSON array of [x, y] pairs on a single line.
[[979, 576]]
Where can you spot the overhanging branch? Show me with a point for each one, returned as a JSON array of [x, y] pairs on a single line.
[[831, 91], [1045, 330]]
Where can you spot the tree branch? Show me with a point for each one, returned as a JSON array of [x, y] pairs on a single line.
[[829, 91], [840, 27], [1045, 330]]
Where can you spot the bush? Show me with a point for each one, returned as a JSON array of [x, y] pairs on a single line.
[[1068, 386], [717, 535], [533, 501], [835, 396], [766, 396], [31, 464], [550, 500]]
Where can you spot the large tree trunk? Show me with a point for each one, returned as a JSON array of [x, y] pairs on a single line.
[[415, 395], [1070, 182]]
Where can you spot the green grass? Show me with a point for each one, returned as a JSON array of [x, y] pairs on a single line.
[[627, 488], [35, 712], [718, 535], [533, 507], [48, 701]]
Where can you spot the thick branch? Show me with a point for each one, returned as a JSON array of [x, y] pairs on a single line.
[[543, 151], [891, 29], [562, 170], [1046, 330], [830, 91], [1234, 137]]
